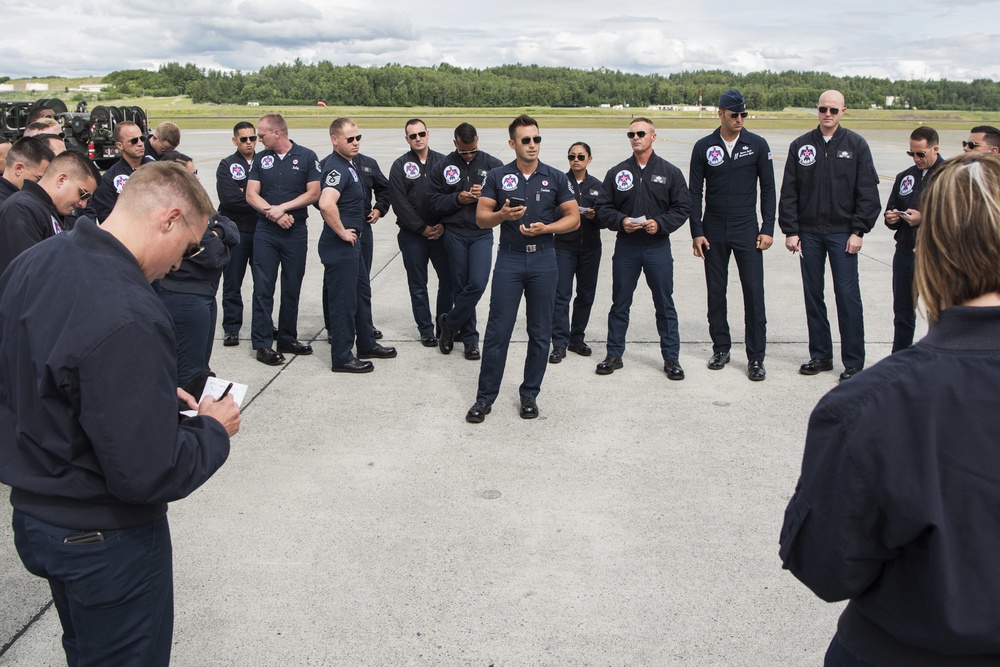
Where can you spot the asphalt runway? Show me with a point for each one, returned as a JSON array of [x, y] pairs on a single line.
[[361, 521]]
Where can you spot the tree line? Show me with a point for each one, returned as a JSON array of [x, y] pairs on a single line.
[[445, 85]]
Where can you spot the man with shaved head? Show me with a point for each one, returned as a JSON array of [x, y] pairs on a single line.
[[37, 212], [128, 139], [4, 149], [829, 200], [27, 160]]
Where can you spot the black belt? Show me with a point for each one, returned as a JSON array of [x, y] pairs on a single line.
[[533, 247]]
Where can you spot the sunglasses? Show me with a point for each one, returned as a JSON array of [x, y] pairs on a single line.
[[351, 140], [252, 137], [413, 136], [579, 156], [833, 110], [739, 114], [472, 152], [84, 194], [133, 140], [971, 144], [917, 153], [52, 135], [632, 135], [527, 140]]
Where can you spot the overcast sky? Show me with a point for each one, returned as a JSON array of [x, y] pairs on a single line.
[[918, 39]]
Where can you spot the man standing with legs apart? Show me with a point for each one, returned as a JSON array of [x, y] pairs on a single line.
[[419, 235], [902, 214], [89, 439], [283, 182], [829, 199], [532, 202], [347, 292], [729, 163], [644, 199], [454, 191], [231, 185]]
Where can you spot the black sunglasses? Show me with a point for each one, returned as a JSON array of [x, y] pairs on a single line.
[[971, 144], [632, 135], [51, 135], [917, 153], [472, 152], [133, 140], [351, 140], [252, 137], [413, 136], [833, 110], [579, 156], [528, 140], [192, 251], [84, 194], [739, 114]]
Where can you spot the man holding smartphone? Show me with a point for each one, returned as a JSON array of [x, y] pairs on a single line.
[[531, 202], [902, 214]]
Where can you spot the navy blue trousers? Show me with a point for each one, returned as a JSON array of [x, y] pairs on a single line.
[[846, 290], [584, 266], [750, 264], [904, 315], [348, 297], [417, 251], [532, 275], [240, 256], [115, 598], [194, 317], [275, 248], [657, 263], [469, 258]]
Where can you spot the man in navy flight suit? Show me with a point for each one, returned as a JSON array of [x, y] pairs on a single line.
[[532, 202], [231, 185], [283, 182], [729, 163], [644, 199]]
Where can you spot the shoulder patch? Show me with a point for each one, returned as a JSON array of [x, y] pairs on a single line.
[[332, 178], [238, 172], [906, 185]]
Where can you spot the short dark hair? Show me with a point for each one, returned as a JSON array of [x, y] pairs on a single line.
[[641, 119], [338, 124], [243, 125], [990, 134], [924, 133], [74, 164], [413, 121], [524, 120], [466, 133], [37, 113], [31, 151], [585, 145]]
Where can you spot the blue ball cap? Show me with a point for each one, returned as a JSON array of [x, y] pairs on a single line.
[[732, 100]]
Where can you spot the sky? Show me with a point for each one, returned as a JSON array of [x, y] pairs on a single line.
[[918, 39]]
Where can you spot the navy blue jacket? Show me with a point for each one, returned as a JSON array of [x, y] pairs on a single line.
[[282, 180], [657, 192], [898, 504], [231, 186], [829, 188], [588, 235], [201, 273], [6, 189], [26, 218], [543, 192], [452, 176], [114, 179], [150, 151], [373, 181], [408, 190], [729, 184], [89, 434], [906, 195]]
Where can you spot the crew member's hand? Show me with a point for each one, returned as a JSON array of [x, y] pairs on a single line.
[[912, 217], [433, 232], [764, 241], [374, 216], [534, 229], [225, 411], [465, 198], [651, 226], [188, 399], [792, 244], [589, 214], [700, 245], [348, 234], [853, 244], [286, 221], [630, 226], [512, 212]]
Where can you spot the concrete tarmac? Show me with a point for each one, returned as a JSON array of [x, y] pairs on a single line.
[[361, 521]]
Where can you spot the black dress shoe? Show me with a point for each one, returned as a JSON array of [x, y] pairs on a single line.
[[718, 361], [266, 355], [231, 338], [755, 371], [477, 413], [445, 342], [672, 367], [529, 408], [558, 354], [472, 352], [430, 340], [849, 373], [609, 365], [580, 348], [296, 347], [814, 366], [354, 366], [376, 334], [378, 352]]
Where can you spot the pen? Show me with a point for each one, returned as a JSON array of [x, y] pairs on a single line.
[[226, 392]]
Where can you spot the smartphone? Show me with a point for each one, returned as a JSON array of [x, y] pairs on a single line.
[[515, 201], [85, 538]]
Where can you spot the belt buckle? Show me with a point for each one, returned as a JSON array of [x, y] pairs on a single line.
[[530, 248]]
